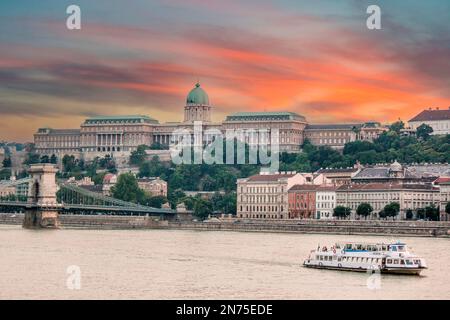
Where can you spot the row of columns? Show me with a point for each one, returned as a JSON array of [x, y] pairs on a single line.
[[109, 139]]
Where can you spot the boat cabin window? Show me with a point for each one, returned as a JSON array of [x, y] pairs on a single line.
[[395, 261], [384, 248], [389, 261], [402, 261], [348, 246]]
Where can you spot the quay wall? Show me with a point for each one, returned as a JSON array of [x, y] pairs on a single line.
[[362, 227]]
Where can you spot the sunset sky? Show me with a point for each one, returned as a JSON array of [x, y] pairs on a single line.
[[316, 58]]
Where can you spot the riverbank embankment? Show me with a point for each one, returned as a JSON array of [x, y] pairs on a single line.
[[356, 227]]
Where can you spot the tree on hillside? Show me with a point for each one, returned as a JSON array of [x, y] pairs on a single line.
[[127, 189], [364, 209], [158, 146], [423, 131], [7, 162], [32, 158], [45, 159], [138, 156], [53, 159], [397, 126], [69, 163], [341, 212]]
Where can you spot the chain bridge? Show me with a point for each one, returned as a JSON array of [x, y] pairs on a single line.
[[46, 198]]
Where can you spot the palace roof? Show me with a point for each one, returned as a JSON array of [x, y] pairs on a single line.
[[432, 115], [120, 119], [264, 116]]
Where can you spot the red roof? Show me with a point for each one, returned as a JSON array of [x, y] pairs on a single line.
[[303, 187], [441, 180], [432, 115]]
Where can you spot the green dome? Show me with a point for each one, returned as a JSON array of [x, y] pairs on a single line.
[[197, 96]]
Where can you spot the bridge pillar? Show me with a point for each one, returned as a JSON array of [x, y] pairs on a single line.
[[42, 210]]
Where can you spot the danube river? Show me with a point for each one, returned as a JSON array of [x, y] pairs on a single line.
[[174, 264]]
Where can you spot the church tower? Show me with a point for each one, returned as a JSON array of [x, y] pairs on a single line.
[[197, 106]]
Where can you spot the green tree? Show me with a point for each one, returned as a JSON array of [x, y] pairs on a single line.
[[397, 126], [53, 159], [392, 209], [7, 162], [156, 201], [409, 214], [420, 213], [32, 158], [202, 208], [158, 146], [341, 212], [364, 209], [69, 163], [432, 213], [423, 131], [138, 156], [45, 159], [127, 189]]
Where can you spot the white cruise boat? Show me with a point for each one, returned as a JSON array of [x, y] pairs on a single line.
[[387, 258]]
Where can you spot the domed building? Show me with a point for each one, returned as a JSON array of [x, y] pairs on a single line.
[[197, 105]]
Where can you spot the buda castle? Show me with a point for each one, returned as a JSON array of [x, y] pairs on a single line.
[[118, 136]]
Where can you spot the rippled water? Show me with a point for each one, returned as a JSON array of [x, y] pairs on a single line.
[[172, 264]]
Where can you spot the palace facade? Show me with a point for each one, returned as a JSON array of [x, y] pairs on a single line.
[[120, 135]]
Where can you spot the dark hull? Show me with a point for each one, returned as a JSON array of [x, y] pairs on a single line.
[[403, 271]]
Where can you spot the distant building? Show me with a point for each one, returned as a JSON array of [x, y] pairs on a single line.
[[57, 141], [378, 195], [437, 119], [394, 173], [153, 186], [302, 201], [339, 176], [444, 190], [265, 195], [325, 201], [6, 189], [109, 180], [118, 136]]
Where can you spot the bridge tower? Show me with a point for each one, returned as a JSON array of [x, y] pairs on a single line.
[[42, 208]]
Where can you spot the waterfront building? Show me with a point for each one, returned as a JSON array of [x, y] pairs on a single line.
[[397, 173], [325, 201], [265, 195], [339, 176], [437, 119], [153, 186], [118, 136], [302, 201], [378, 195], [444, 191]]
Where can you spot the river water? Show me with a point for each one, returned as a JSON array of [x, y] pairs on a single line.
[[174, 264]]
